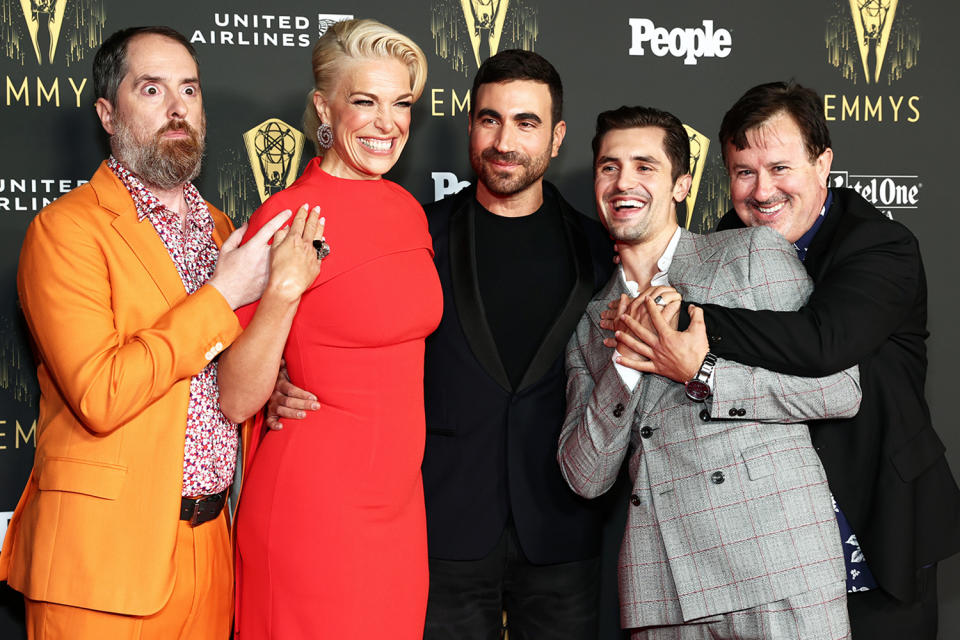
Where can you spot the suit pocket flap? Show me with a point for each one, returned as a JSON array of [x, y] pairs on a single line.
[[918, 455], [98, 479], [786, 453]]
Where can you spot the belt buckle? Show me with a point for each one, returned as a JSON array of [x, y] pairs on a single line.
[[195, 516]]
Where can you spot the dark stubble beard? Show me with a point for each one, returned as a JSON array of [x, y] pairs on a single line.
[[502, 183], [160, 163]]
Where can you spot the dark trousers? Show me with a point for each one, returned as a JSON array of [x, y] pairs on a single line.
[[877, 615], [542, 602]]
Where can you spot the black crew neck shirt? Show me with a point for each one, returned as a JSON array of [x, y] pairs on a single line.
[[526, 274]]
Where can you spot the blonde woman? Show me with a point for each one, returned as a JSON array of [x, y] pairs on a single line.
[[331, 530]]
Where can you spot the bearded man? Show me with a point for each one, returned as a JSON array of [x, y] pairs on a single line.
[[128, 284], [517, 265]]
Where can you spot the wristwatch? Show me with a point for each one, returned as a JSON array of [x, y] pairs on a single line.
[[697, 389]]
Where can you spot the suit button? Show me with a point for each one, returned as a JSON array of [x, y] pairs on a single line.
[[635, 500], [716, 338], [717, 477], [733, 412], [618, 410], [705, 415], [646, 432], [741, 412]]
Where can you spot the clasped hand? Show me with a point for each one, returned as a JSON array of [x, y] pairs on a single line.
[[294, 264], [646, 336]]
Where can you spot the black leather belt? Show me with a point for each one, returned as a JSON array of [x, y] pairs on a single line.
[[202, 509]]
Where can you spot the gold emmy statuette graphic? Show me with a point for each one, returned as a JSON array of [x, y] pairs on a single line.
[[274, 150], [872, 20], [699, 144], [33, 12], [484, 25]]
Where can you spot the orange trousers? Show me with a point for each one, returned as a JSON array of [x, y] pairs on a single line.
[[200, 607]]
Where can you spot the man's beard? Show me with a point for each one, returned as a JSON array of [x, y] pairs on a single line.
[[164, 164], [501, 183]]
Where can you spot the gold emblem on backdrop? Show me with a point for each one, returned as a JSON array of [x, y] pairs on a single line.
[[872, 21], [467, 32], [484, 25], [876, 40], [36, 10], [274, 149], [45, 27], [699, 145]]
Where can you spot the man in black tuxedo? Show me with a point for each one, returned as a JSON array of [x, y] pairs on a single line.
[[517, 265], [896, 501]]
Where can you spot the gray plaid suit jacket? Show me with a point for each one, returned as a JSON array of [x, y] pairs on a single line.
[[730, 507]]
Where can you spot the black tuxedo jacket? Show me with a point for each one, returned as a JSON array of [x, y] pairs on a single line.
[[491, 450], [885, 466]]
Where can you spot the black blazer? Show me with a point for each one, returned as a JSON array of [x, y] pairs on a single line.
[[491, 450], [885, 466]]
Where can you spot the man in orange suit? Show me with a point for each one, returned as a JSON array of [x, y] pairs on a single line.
[[128, 284]]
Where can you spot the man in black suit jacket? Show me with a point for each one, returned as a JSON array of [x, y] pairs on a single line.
[[517, 266], [893, 489]]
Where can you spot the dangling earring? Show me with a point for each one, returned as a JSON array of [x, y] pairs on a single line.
[[325, 135]]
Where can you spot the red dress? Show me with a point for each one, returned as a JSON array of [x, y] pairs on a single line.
[[331, 532]]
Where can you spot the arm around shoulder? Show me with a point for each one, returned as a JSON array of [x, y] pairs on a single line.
[[873, 281], [777, 281]]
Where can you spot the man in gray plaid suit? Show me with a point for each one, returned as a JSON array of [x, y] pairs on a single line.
[[730, 528]]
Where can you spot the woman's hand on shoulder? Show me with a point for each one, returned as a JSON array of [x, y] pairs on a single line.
[[294, 262]]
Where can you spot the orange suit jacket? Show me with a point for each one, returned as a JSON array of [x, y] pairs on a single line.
[[117, 340]]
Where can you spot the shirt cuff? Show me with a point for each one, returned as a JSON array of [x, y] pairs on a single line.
[[629, 377]]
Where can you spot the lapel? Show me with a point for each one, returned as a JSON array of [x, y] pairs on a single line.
[[614, 287], [691, 272], [470, 309], [821, 246], [555, 341], [466, 289], [141, 237]]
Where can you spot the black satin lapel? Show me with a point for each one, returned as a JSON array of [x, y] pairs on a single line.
[[466, 294], [556, 339]]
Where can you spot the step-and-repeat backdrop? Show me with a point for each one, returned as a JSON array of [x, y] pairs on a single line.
[[885, 69]]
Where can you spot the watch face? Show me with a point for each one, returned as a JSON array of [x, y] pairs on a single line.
[[698, 391]]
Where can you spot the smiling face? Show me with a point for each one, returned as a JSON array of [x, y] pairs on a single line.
[[156, 123], [369, 110], [512, 137], [773, 181], [636, 195]]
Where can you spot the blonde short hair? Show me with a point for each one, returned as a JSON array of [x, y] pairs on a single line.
[[359, 40]]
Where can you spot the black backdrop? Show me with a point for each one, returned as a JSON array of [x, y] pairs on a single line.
[[885, 68]]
